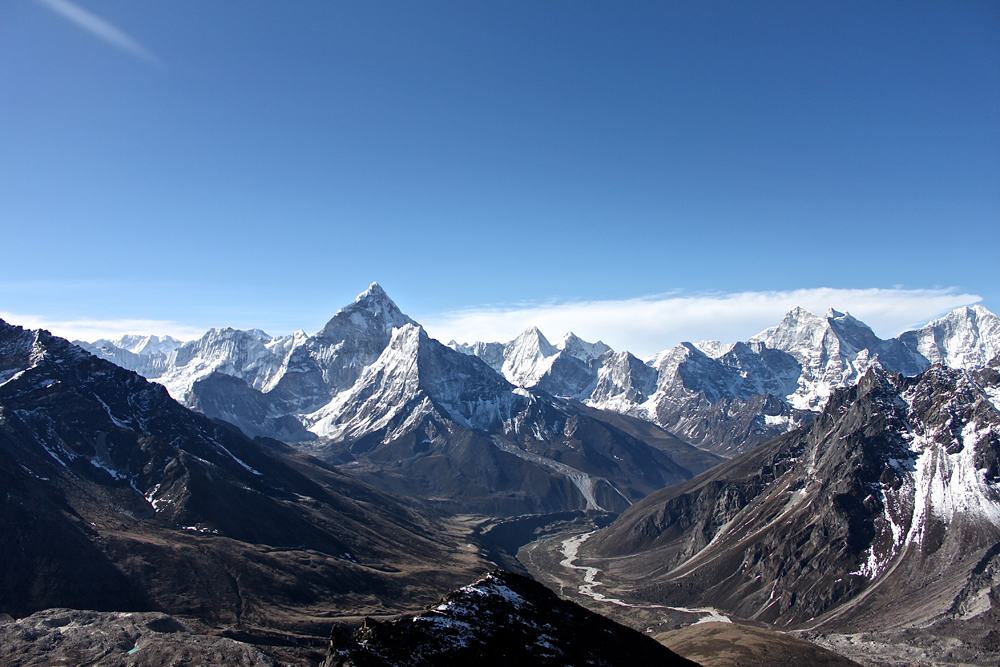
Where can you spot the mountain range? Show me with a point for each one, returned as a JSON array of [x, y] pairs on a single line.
[[374, 394], [728, 398], [723, 398]]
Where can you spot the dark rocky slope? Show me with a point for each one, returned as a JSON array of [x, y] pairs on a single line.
[[429, 422], [884, 513], [500, 619]]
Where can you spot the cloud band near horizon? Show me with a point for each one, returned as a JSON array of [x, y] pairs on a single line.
[[647, 325], [642, 325]]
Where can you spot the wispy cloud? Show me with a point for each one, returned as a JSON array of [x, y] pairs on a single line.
[[101, 29], [91, 329], [649, 324]]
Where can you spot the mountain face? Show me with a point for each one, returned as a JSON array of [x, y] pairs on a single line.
[[833, 352], [883, 513], [429, 422], [118, 498], [147, 355], [500, 619], [297, 373], [566, 369], [371, 391], [968, 337], [729, 398]]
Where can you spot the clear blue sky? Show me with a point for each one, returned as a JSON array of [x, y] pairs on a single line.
[[259, 163]]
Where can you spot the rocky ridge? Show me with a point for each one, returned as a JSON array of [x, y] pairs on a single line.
[[112, 639], [499, 619], [882, 515]]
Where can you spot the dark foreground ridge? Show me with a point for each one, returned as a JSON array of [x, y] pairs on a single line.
[[114, 639], [500, 619]]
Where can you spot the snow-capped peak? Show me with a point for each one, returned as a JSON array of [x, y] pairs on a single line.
[[532, 340], [371, 312], [526, 358], [374, 291], [714, 348], [261, 335], [967, 337], [146, 345], [833, 351], [575, 346]]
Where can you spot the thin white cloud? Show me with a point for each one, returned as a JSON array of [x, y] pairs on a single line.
[[643, 325], [650, 324], [91, 330], [101, 29]]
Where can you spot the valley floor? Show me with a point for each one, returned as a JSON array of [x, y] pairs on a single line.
[[715, 639]]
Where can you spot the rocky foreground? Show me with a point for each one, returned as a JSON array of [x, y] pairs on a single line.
[[113, 639], [500, 619]]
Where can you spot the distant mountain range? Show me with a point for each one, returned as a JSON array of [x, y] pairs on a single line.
[[374, 394], [724, 398], [728, 398]]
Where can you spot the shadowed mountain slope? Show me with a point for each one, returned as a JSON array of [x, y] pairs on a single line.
[[118, 498], [884, 513]]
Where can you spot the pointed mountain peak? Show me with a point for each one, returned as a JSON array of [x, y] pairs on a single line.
[[533, 336], [967, 337], [374, 292], [575, 346], [833, 315], [800, 313], [375, 299], [527, 357], [372, 311], [795, 321]]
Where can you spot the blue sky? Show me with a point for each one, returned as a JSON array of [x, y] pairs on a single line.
[[175, 165]]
